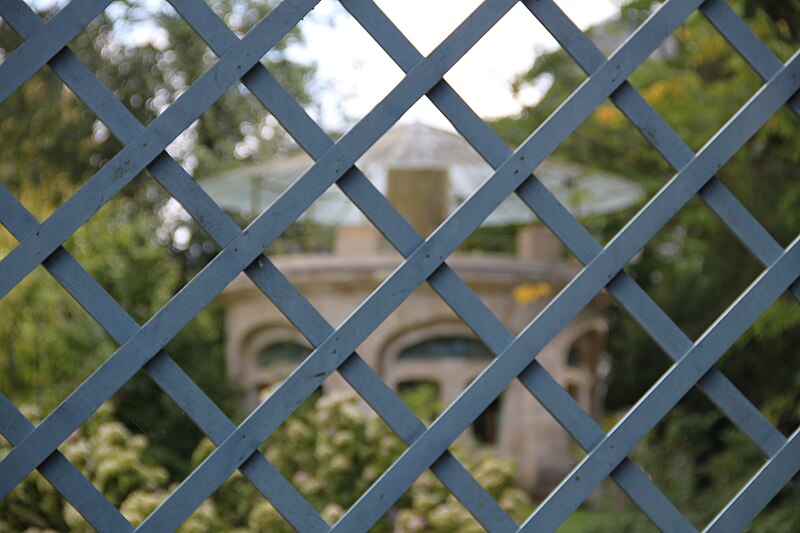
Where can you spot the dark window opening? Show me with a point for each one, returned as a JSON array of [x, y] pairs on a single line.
[[486, 427], [573, 391], [573, 357], [461, 347], [283, 353]]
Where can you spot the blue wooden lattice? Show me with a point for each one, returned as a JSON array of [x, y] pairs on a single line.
[[141, 347]]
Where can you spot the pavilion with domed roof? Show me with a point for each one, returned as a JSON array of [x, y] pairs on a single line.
[[426, 173]]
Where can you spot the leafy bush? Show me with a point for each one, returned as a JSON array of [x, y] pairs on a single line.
[[697, 473], [331, 449]]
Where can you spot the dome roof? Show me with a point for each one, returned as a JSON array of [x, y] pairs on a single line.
[[251, 189]]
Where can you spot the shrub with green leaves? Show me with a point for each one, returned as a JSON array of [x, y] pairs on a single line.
[[332, 449]]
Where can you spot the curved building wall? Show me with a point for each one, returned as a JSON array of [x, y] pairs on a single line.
[[336, 285]]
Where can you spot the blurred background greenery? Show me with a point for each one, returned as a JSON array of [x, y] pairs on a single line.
[[142, 250]]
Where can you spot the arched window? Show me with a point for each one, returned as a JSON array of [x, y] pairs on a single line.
[[283, 354], [584, 350], [461, 347], [573, 356]]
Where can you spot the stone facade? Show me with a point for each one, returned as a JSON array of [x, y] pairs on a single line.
[[412, 345]]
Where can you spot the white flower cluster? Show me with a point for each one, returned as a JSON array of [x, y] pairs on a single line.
[[331, 450]]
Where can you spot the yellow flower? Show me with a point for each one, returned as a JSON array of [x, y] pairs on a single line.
[[526, 293]]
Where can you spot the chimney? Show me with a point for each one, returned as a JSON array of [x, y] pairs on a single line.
[[421, 196]]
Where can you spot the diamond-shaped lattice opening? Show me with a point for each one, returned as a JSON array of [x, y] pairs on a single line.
[[423, 342], [763, 176], [609, 34], [604, 171], [49, 151], [199, 350], [52, 344], [240, 155], [333, 447], [601, 198], [119, 459], [504, 449], [426, 172], [429, 506], [172, 438], [146, 54], [232, 141], [333, 263], [118, 455], [237, 503], [751, 362], [139, 249], [775, 25], [10, 39], [262, 351], [34, 503], [608, 508], [316, 233], [694, 268], [7, 241], [503, 52], [698, 84], [540, 89], [356, 74], [635, 361], [697, 458], [514, 269], [609, 143]]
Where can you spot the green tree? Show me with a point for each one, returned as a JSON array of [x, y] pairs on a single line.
[[695, 267], [140, 247]]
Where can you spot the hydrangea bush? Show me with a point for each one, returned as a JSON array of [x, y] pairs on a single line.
[[332, 449]]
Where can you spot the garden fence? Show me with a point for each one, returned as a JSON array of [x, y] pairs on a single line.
[[141, 347]]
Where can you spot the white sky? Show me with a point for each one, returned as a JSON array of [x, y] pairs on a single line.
[[354, 73]]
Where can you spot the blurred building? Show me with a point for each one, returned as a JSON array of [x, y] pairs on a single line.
[[426, 173]]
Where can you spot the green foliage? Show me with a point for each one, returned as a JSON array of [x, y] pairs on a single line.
[[106, 452], [330, 449], [52, 345], [423, 399], [699, 461], [492, 239], [52, 144], [304, 236], [694, 268]]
